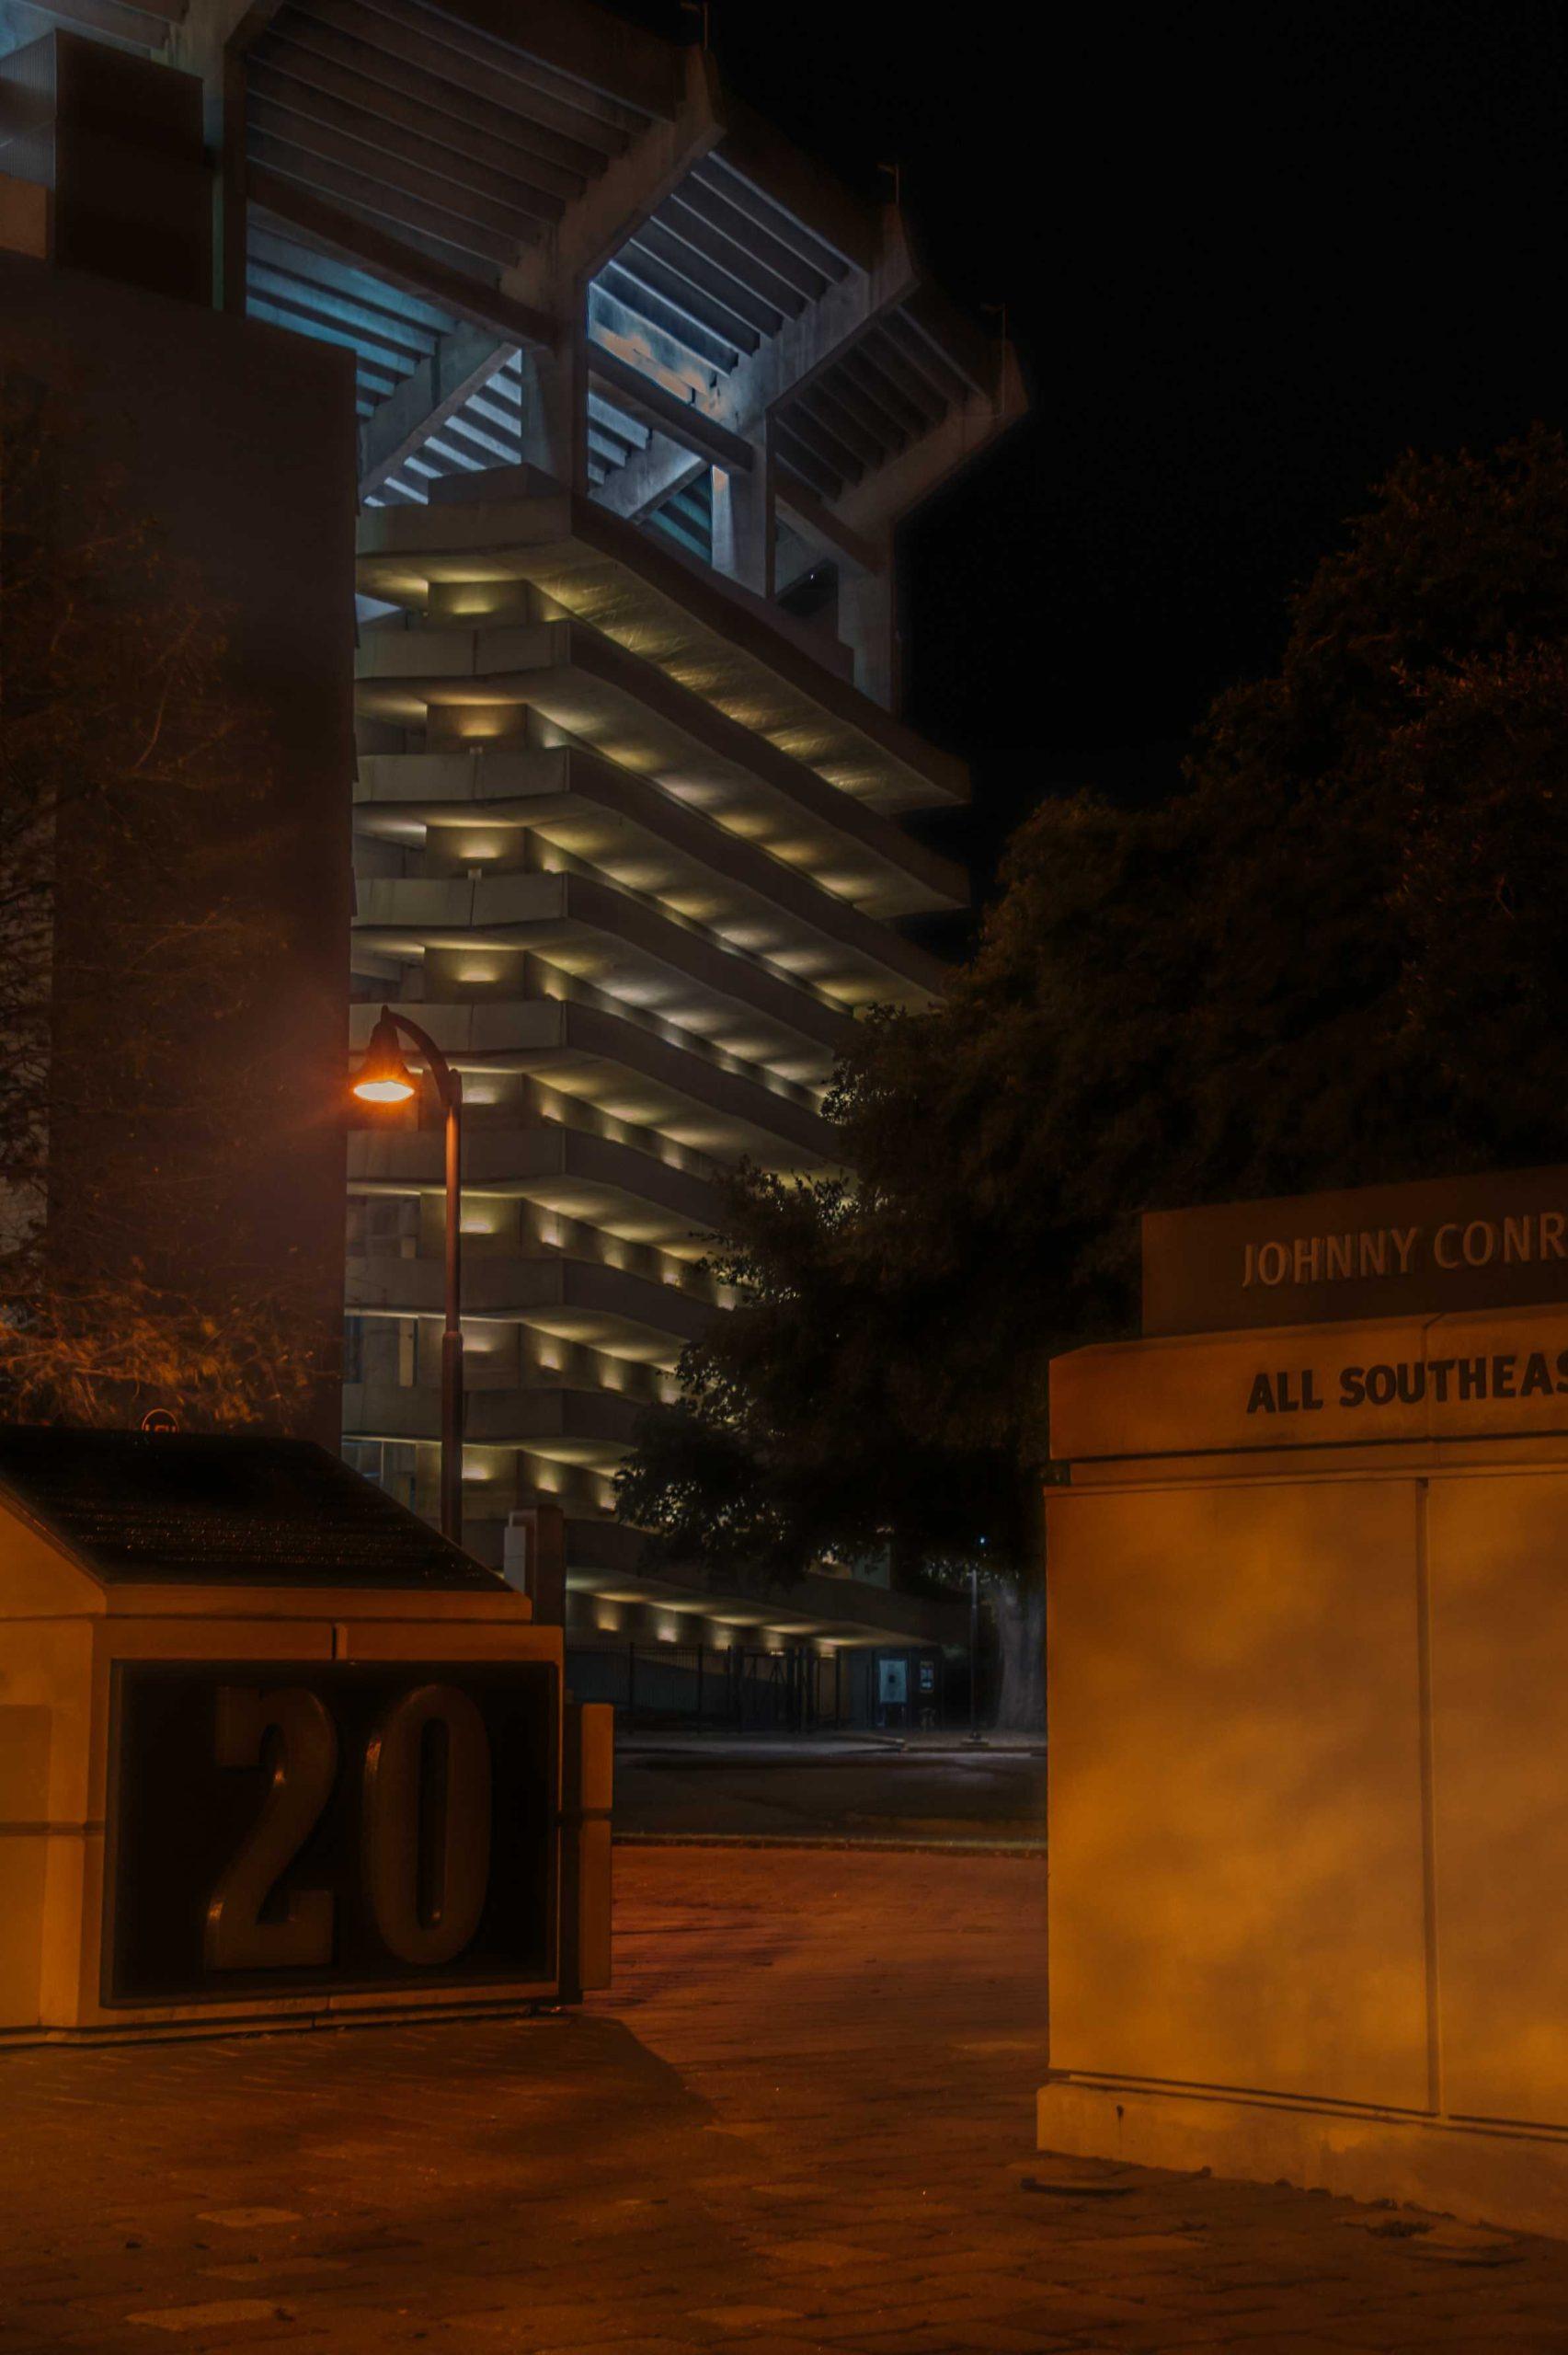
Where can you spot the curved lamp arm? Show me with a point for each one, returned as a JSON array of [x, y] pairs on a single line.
[[384, 1069]]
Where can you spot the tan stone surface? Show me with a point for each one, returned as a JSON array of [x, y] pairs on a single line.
[[1152, 1398], [1500, 1787], [806, 2052], [1308, 1785], [1235, 1788], [1142, 1399]]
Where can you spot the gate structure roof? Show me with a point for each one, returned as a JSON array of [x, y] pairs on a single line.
[[219, 1509]]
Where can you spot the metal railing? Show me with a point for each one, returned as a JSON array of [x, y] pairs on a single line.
[[736, 1687]]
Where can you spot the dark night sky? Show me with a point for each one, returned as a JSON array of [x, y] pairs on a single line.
[[1246, 262]]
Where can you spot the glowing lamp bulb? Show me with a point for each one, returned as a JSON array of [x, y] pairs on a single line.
[[383, 1075]]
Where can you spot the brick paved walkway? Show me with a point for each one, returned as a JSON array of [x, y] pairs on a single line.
[[803, 2121]]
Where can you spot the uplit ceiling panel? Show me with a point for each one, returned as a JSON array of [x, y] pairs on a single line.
[[297, 285], [716, 268], [484, 430]]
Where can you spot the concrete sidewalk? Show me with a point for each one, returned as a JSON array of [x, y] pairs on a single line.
[[835, 1743], [824, 1787], [719, 1749], [801, 2122]]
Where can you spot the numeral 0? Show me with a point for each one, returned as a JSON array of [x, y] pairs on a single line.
[[425, 1827], [427, 1867]]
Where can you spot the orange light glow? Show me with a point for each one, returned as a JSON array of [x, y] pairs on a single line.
[[384, 1078]]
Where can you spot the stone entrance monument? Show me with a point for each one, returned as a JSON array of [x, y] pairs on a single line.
[[1308, 1675], [270, 1750]]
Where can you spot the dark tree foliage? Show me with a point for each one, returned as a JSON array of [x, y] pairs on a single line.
[[132, 800], [790, 1440], [1336, 956]]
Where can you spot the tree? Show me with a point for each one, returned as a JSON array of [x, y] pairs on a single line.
[[750, 1466], [1336, 955], [127, 939]]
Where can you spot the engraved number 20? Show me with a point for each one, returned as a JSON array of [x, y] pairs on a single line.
[[424, 1869]]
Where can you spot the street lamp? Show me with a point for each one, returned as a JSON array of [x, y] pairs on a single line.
[[385, 1078]]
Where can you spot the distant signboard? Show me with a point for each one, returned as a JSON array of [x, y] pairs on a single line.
[[1428, 1248]]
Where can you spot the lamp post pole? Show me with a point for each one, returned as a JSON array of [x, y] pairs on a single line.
[[974, 1648], [448, 1086], [377, 1083]]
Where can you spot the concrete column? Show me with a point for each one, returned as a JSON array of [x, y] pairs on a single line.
[[743, 520], [868, 626], [554, 423]]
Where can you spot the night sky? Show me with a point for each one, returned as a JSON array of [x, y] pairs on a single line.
[[1246, 263]]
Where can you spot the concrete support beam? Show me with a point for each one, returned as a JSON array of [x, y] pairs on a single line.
[[743, 520], [609, 56], [554, 411], [403, 266], [804, 348], [649, 477], [554, 277], [625, 195], [460, 363], [828, 534], [211, 39], [205, 30], [868, 626], [801, 183], [681, 421], [874, 506]]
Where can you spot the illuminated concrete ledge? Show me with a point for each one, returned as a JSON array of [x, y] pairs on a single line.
[[643, 838], [840, 1611], [1485, 2171], [629, 1072], [567, 1426], [600, 567], [633, 713], [632, 854], [575, 1300], [628, 1193], [599, 935]]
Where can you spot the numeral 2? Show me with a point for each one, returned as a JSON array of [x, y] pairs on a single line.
[[305, 1760]]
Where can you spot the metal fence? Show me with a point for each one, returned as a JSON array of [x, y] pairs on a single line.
[[795, 1690]]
